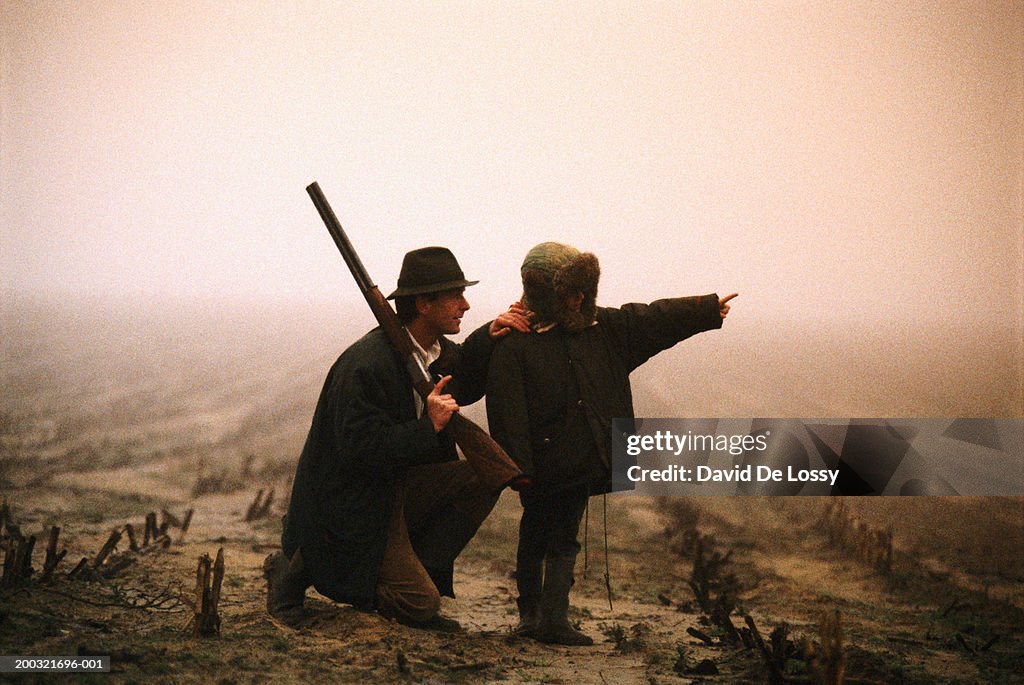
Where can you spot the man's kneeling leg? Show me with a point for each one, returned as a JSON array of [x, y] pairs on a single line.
[[405, 591]]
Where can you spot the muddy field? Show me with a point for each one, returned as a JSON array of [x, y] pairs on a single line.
[[128, 415]]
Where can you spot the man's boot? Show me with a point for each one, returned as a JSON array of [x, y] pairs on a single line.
[[529, 582], [554, 626], [439, 623], [286, 585]]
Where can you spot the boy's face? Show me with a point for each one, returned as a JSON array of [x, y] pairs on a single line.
[[574, 302], [443, 313]]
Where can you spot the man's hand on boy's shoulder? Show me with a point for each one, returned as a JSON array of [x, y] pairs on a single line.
[[515, 317]]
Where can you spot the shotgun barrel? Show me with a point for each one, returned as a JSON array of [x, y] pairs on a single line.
[[355, 265]]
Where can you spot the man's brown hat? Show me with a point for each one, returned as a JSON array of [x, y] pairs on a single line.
[[429, 270]]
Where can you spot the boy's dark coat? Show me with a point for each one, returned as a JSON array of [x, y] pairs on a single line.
[[551, 397]]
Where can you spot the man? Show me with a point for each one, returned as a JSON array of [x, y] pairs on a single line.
[[380, 504], [551, 398]]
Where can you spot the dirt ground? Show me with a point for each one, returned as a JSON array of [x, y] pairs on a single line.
[[95, 435], [916, 625]]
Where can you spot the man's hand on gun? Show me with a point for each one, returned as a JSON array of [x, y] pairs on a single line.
[[440, 406]]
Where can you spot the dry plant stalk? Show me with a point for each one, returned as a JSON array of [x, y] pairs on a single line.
[[151, 529], [10, 553], [780, 646], [185, 524], [156, 537], [108, 547], [133, 544], [168, 519], [52, 556], [209, 576], [106, 564], [706, 577], [831, 663], [79, 569], [715, 590], [260, 507], [23, 562], [848, 533], [17, 559], [774, 658]]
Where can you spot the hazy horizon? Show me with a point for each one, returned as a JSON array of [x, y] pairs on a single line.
[[752, 367]]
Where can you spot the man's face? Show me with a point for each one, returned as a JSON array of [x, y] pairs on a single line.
[[443, 314]]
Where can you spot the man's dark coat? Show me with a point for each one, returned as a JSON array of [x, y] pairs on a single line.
[[551, 397], [363, 438]]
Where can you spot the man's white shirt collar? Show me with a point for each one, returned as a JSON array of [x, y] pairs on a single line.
[[428, 357]]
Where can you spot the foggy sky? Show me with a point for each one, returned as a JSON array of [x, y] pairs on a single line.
[[848, 163]]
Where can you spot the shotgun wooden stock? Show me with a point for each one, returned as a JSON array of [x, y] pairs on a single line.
[[492, 466]]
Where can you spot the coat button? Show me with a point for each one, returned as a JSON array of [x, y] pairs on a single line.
[[547, 440]]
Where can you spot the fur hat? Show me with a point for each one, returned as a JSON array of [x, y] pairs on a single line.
[[553, 272]]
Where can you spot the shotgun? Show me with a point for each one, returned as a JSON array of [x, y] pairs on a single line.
[[492, 465]]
